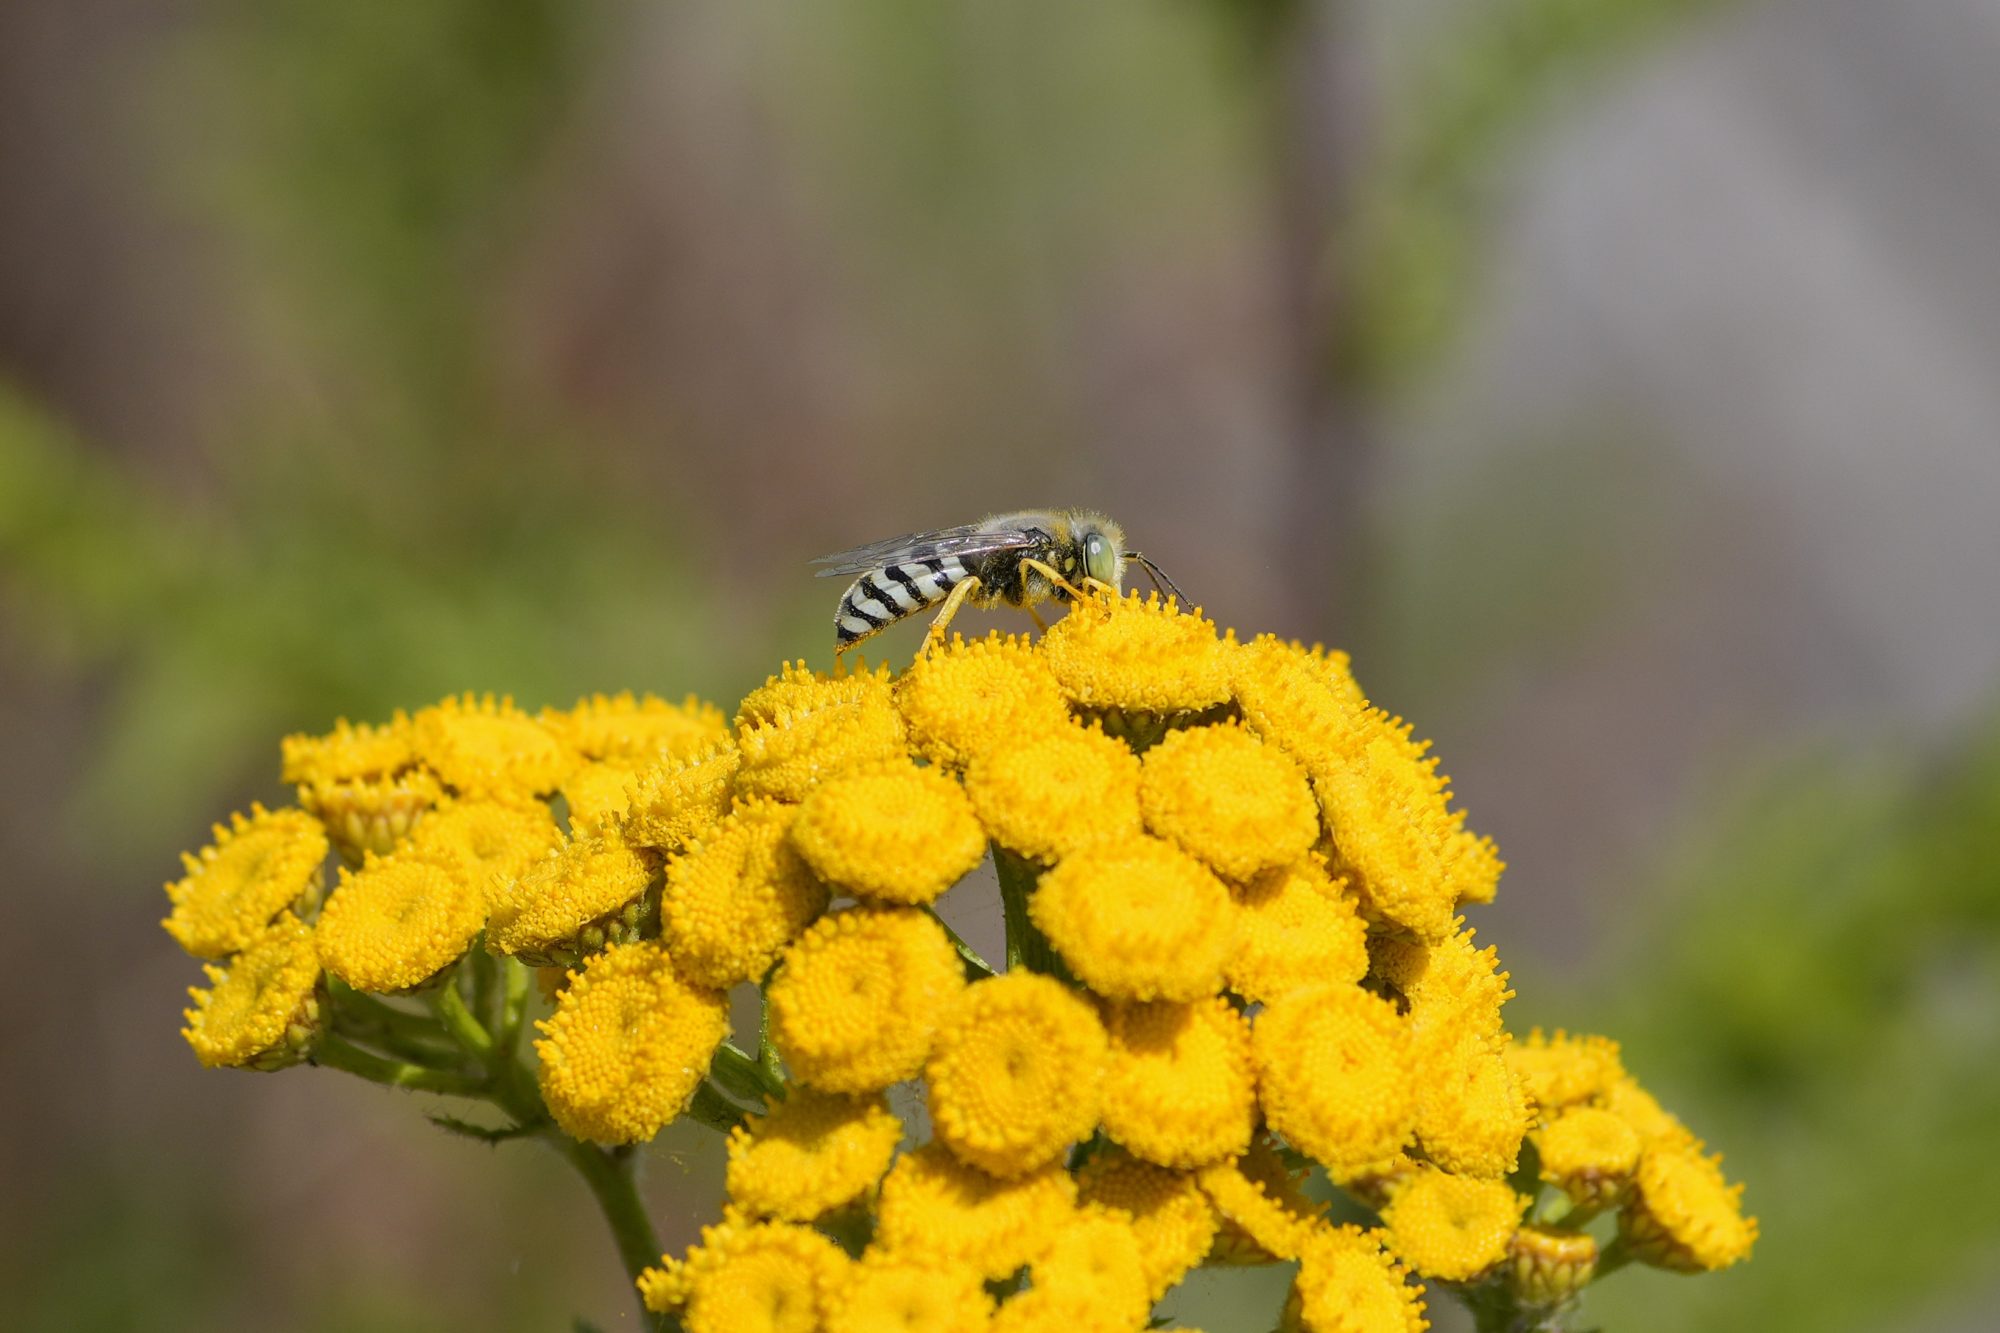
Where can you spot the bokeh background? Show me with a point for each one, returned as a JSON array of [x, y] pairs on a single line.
[[1613, 377]]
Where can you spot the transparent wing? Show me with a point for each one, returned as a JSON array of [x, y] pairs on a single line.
[[971, 539]]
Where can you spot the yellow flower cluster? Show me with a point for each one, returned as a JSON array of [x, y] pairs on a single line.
[[1233, 891]]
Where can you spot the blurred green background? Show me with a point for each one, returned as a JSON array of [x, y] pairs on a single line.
[[1612, 377]]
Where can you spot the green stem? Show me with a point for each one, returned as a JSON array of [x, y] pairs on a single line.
[[1026, 945], [742, 1075], [608, 1172], [485, 987], [975, 966], [514, 1005], [335, 1053], [767, 1049], [450, 1008], [711, 1108]]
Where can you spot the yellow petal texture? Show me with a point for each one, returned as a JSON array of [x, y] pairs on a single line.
[[1224, 796], [798, 688], [258, 866], [938, 1208], [597, 794], [397, 922], [837, 725], [1655, 1125], [1294, 927], [963, 699], [363, 815], [262, 1011], [495, 841], [1016, 1073], [1455, 990], [898, 835], [1333, 1073], [678, 801], [480, 746], [1090, 1277], [1047, 792], [1588, 1154], [633, 730], [754, 1277], [1348, 1283], [629, 1041], [1564, 1070], [814, 1152], [1303, 700], [348, 752], [588, 884], [1137, 656], [1177, 1087], [1452, 1227], [887, 1294], [1260, 1201], [857, 999], [1684, 1215], [1472, 1113], [738, 896], [1137, 919], [1170, 1217]]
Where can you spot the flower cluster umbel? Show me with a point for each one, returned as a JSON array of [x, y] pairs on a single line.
[[1240, 1018]]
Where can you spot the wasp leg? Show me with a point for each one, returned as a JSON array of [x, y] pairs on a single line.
[[1040, 624], [1029, 563], [1091, 585], [942, 622]]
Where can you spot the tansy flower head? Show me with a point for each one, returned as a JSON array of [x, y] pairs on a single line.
[[858, 997], [813, 1153], [1333, 1072], [1133, 655], [848, 723], [968, 697], [482, 746], [396, 923], [1168, 1214], [1454, 989], [1656, 1126], [1293, 927], [1137, 919], [597, 794], [1348, 1283], [1016, 1073], [1229, 799], [738, 896], [897, 834], [675, 802], [1089, 1277], [495, 841], [257, 867], [263, 1010], [937, 1208], [1046, 793], [589, 892], [1562, 1070], [798, 688], [632, 731], [885, 1293], [1588, 1154], [364, 815], [348, 753], [1472, 1113], [1549, 1265], [1683, 1215], [628, 1043], [1177, 1088], [1303, 700], [754, 1277], [1450, 1227], [1265, 1211]]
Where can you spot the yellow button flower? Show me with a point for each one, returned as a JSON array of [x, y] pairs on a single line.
[[1683, 1215], [675, 802], [1224, 796], [571, 902], [349, 753], [1016, 1073], [263, 1010], [887, 1294], [1136, 655], [813, 1153], [740, 895], [759, 1277], [798, 688], [629, 1041], [1137, 919], [364, 815], [1453, 1228], [847, 723], [482, 746], [1333, 1071], [1265, 1212], [1656, 1126], [1588, 1154], [1170, 1217], [1549, 1265], [256, 868], [633, 731], [858, 998], [1294, 927], [1302, 700], [397, 922], [899, 834], [597, 794], [935, 1207], [1454, 989], [1045, 793], [496, 841], [967, 697], [1089, 1278], [1472, 1113], [1562, 1070], [1348, 1283], [1177, 1087]]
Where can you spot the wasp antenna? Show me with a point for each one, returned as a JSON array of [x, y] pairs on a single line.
[[1158, 576]]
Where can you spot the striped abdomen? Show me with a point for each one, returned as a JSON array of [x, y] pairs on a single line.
[[881, 597]]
